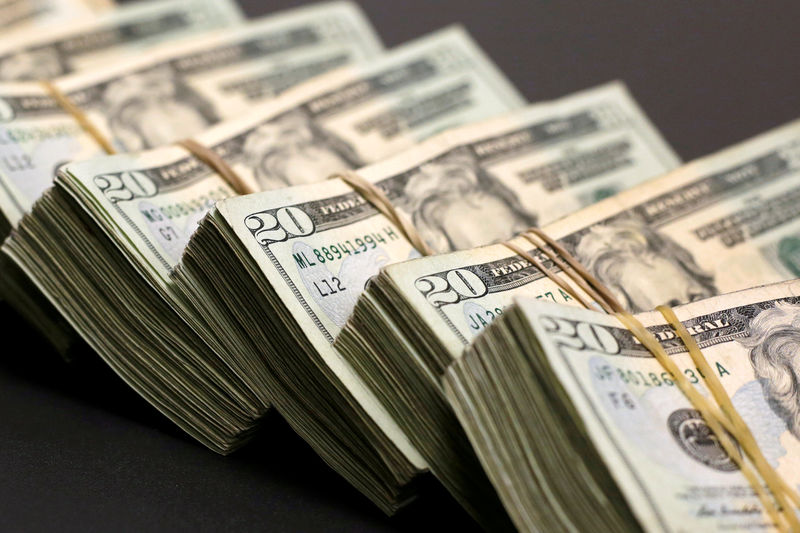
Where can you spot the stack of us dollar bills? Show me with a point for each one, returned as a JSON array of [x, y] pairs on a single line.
[[301, 255], [580, 428], [306, 296], [65, 49]]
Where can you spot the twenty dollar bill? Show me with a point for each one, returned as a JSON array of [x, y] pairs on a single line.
[[308, 251]]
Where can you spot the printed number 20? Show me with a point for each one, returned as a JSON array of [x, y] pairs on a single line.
[[580, 335], [286, 221], [457, 284]]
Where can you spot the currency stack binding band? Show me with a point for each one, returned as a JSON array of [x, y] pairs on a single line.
[[80, 117], [381, 202]]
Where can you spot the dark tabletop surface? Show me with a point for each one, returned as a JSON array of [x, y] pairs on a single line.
[[79, 451]]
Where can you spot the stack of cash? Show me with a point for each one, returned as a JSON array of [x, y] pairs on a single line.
[[719, 224], [69, 48], [130, 137], [580, 428], [101, 244], [62, 50]]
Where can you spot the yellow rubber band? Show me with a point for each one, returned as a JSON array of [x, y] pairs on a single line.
[[577, 275], [546, 271], [604, 294], [79, 116], [217, 164], [378, 198]]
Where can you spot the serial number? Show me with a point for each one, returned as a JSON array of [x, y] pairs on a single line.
[[340, 250], [652, 379], [479, 321], [558, 296]]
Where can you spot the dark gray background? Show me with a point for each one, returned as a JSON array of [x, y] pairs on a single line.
[[79, 451]]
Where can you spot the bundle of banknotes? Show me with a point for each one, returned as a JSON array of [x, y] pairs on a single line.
[[568, 412], [239, 215]]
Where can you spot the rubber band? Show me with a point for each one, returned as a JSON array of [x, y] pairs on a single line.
[[576, 274], [79, 116], [601, 290], [217, 164], [546, 271], [378, 198]]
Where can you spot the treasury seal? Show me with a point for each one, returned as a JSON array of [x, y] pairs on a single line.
[[698, 441]]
